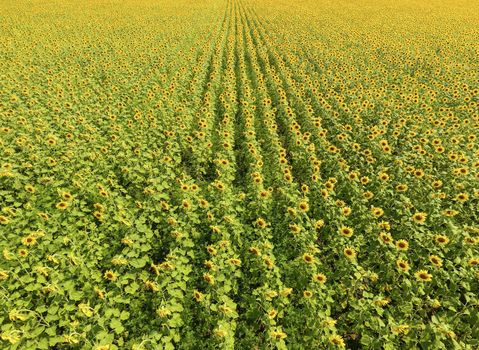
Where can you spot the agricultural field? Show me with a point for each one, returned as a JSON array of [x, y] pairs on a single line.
[[239, 174]]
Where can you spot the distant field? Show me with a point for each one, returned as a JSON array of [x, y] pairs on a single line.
[[239, 174]]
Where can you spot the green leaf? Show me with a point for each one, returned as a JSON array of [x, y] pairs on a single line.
[[116, 325], [124, 315], [132, 288]]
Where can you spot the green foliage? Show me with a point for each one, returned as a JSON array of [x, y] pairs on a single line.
[[238, 174]]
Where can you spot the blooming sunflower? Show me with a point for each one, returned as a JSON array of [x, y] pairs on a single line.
[[29, 240], [337, 340], [441, 239], [402, 244], [319, 278], [4, 220], [349, 252], [473, 262], [209, 278], [423, 276], [308, 258], [385, 237], [346, 231], [462, 197], [62, 205], [419, 217], [303, 206], [110, 275], [402, 265], [435, 260]]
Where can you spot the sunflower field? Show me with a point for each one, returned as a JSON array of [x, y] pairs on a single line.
[[239, 174]]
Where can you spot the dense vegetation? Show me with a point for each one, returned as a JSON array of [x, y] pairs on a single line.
[[247, 174]]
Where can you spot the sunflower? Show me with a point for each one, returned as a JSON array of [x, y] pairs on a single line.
[[328, 323], [385, 237], [401, 329], [436, 184], [3, 275], [4, 220], [163, 312], [295, 228], [337, 340], [382, 302], [419, 173], [127, 241], [272, 314], [51, 141], [23, 253], [209, 278], [450, 212], [185, 204], [234, 261], [268, 262], [153, 286], [164, 205], [377, 212], [264, 194], [67, 196], [346, 211], [441, 239], [319, 278], [255, 251], [383, 176], [368, 195], [462, 197], [307, 294], [286, 292], [384, 225], [308, 258], [471, 240], [110, 275], [402, 244], [346, 231], [203, 203], [423, 276], [29, 240], [261, 223], [303, 206], [419, 218], [473, 262], [62, 205], [319, 224], [402, 265], [364, 180], [435, 260], [197, 295], [349, 252], [30, 189], [278, 335], [99, 207], [119, 261]]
